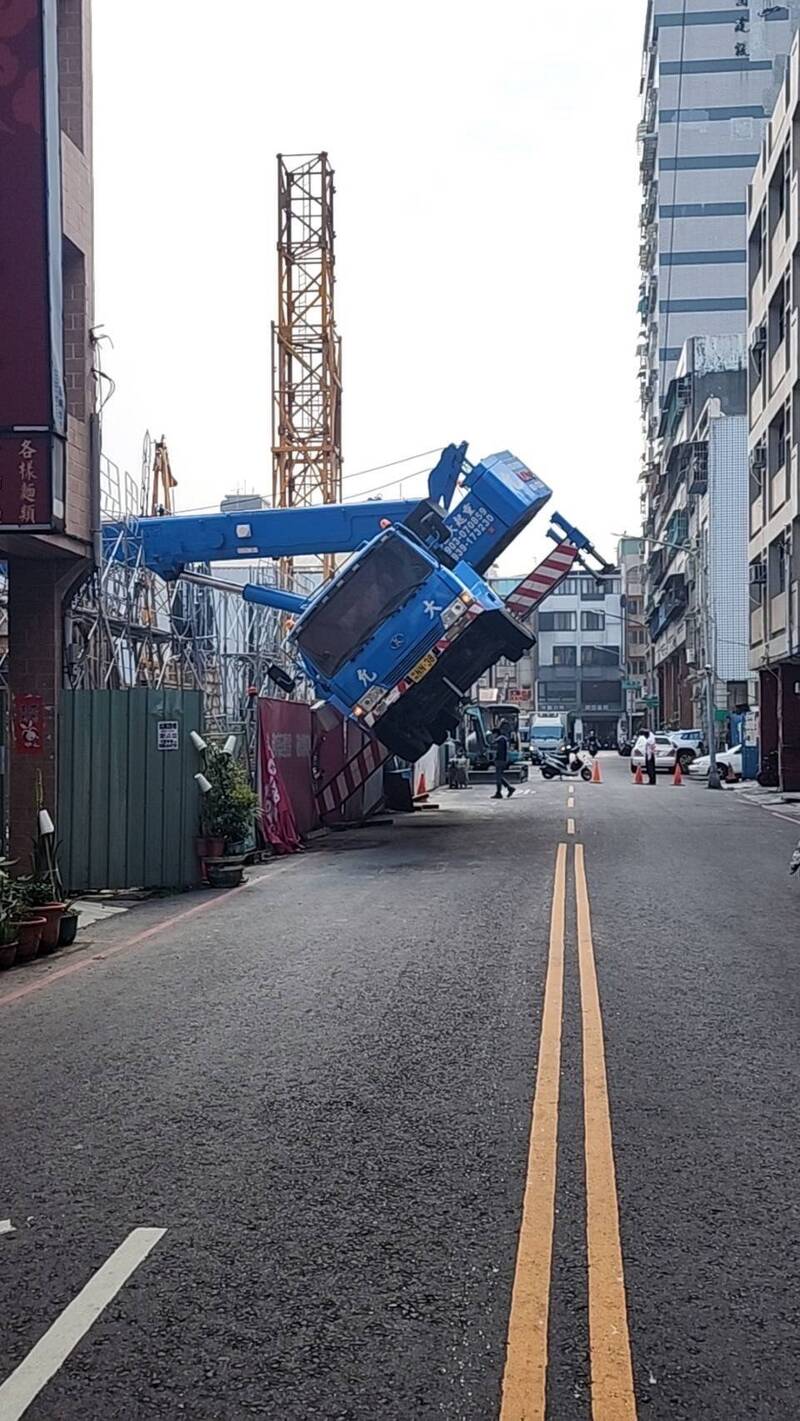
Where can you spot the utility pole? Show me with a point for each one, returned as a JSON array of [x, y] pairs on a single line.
[[714, 781]]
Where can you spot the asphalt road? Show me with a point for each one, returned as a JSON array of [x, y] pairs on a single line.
[[321, 1089]]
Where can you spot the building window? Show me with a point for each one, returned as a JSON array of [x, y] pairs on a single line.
[[593, 621], [592, 590], [602, 695], [565, 656], [600, 656], [568, 588], [777, 568], [638, 636], [755, 252], [557, 621], [554, 694], [778, 323]]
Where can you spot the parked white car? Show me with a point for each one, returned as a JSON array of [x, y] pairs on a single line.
[[687, 740], [729, 764], [666, 754]]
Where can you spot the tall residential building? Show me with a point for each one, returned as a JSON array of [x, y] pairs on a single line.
[[636, 687], [711, 71], [774, 338], [696, 599]]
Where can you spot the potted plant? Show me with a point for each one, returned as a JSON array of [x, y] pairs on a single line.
[[41, 903], [8, 937], [68, 926], [230, 803], [228, 809], [44, 891]]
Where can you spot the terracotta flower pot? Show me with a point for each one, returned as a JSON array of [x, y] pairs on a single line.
[[8, 954], [207, 848], [52, 914], [29, 936]]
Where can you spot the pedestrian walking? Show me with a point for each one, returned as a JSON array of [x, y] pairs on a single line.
[[646, 747], [501, 744]]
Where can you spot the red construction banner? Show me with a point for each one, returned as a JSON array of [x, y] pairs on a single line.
[[284, 729]]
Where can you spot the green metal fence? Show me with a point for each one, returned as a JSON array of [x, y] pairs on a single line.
[[128, 802]]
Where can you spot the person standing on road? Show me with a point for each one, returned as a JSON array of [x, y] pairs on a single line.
[[501, 763], [646, 747], [593, 745]]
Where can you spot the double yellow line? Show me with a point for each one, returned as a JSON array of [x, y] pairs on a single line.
[[525, 1378]]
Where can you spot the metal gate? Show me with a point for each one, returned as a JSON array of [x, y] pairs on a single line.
[[128, 802]]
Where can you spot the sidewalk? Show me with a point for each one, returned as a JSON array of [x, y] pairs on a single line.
[[786, 806]]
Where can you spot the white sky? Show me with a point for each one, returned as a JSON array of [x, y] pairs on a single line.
[[487, 234]]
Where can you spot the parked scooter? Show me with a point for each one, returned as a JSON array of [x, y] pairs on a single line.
[[567, 764]]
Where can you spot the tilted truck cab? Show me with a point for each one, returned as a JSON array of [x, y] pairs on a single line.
[[397, 638]]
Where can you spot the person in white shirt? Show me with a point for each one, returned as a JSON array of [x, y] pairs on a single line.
[[646, 747]]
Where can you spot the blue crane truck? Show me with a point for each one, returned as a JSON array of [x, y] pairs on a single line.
[[404, 628]]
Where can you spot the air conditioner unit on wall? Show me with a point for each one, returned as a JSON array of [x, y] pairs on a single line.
[[758, 459], [758, 574], [760, 336]]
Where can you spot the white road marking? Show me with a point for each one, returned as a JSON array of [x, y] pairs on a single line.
[[6, 1227], [52, 1350], [570, 826]]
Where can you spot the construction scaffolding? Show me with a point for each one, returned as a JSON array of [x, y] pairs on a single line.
[[306, 351], [126, 627]]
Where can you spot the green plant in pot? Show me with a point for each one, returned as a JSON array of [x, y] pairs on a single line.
[[36, 903], [68, 926], [45, 892], [26, 917], [8, 934], [228, 809]]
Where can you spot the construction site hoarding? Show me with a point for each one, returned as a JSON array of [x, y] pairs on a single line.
[[32, 388]]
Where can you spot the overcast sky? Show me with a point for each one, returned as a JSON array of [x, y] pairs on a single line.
[[486, 228]]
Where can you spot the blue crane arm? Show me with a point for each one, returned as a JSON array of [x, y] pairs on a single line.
[[172, 542]]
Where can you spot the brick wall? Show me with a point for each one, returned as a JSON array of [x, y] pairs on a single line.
[[70, 69]]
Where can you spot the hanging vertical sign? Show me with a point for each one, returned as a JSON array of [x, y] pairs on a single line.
[[32, 391], [28, 725]]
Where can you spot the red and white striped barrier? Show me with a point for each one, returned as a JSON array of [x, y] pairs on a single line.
[[351, 777], [544, 579]]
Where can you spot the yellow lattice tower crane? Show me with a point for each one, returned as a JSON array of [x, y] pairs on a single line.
[[306, 350]]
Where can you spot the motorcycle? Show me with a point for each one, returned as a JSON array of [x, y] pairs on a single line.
[[569, 764]]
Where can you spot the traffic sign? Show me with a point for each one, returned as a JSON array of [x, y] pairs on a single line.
[[631, 685]]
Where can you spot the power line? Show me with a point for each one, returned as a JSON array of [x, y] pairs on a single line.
[[359, 474]]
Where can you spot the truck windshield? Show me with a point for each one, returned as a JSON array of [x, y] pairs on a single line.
[[378, 584]]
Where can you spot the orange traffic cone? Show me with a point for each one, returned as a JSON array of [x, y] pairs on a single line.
[[422, 788], [638, 778], [597, 778], [677, 778]]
